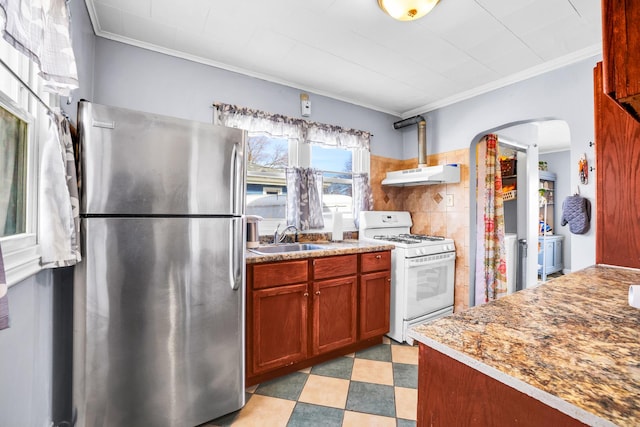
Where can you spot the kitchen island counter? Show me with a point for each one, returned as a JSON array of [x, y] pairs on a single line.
[[344, 247], [572, 344]]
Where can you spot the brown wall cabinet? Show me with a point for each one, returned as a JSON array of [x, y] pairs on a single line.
[[621, 56], [617, 181], [305, 311]]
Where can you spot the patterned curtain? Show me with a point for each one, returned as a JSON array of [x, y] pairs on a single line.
[[58, 199], [304, 198], [261, 122], [40, 30], [362, 196], [491, 282]]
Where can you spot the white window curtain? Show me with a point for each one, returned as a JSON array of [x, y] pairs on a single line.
[[258, 122], [58, 196], [304, 198], [289, 127], [40, 30], [362, 196], [335, 136]]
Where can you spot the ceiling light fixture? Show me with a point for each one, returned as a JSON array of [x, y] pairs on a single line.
[[407, 10]]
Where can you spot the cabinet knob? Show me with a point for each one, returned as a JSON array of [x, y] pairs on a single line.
[[378, 256], [388, 280], [306, 294], [317, 292]]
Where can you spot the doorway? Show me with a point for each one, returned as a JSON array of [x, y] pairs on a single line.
[[527, 143]]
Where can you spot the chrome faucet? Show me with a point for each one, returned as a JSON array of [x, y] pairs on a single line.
[[279, 237]]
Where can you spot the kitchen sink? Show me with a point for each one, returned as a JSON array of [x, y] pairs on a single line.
[[287, 247]]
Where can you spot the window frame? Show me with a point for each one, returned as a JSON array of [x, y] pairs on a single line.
[[21, 252], [300, 156]]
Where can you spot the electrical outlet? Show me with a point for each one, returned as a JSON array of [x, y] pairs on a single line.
[[449, 200]]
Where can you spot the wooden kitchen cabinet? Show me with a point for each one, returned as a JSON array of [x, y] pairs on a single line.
[[335, 304], [277, 301], [275, 310], [335, 312], [620, 53], [375, 294], [303, 312], [617, 181]]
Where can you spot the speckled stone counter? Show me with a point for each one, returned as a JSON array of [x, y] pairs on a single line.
[[572, 343], [332, 248]]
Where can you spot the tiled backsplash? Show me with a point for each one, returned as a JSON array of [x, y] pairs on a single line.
[[310, 237], [428, 207]]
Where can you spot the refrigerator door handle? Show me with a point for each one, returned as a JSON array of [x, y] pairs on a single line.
[[237, 183], [236, 252]]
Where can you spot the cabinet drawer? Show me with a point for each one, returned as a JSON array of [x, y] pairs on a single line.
[[335, 266], [282, 273], [376, 261]]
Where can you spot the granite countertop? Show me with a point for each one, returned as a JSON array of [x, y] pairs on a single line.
[[332, 248], [572, 343]]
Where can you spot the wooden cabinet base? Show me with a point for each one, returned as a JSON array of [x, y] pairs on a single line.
[[451, 393], [360, 345]]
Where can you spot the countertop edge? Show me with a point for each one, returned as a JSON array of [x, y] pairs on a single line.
[[333, 248], [540, 395]]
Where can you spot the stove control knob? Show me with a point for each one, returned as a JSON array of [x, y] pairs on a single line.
[[420, 251]]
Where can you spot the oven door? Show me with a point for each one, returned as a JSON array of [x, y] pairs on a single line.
[[429, 285]]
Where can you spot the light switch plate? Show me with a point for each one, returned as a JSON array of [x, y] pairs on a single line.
[[449, 200]]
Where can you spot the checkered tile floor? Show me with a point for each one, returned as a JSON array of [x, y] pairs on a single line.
[[373, 387]]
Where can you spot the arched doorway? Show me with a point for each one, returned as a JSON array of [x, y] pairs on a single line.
[[528, 142]]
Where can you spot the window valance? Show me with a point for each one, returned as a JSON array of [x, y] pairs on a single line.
[[278, 125]]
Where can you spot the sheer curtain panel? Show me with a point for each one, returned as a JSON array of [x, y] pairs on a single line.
[[40, 30], [304, 198]]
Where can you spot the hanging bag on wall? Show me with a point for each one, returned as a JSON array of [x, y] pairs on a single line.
[[576, 210]]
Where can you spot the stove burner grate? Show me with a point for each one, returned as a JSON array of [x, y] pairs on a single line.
[[422, 237]]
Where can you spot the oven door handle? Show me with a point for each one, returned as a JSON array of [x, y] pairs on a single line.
[[431, 259]]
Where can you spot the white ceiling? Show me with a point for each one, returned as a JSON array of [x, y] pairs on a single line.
[[350, 50]]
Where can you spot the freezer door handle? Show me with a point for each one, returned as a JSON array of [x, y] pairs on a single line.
[[237, 179], [236, 253]]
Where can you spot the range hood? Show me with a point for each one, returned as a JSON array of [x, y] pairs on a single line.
[[423, 174]]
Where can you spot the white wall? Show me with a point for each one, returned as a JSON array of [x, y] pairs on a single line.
[[26, 354], [560, 164], [139, 79], [565, 94], [35, 352]]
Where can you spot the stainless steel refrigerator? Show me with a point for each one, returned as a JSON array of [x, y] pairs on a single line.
[[159, 298]]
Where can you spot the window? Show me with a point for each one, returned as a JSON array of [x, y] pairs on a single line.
[[13, 173], [276, 142], [266, 186]]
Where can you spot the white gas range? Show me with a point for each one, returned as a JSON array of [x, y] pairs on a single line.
[[422, 270]]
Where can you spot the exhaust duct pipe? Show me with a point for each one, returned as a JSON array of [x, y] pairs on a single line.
[[422, 136]]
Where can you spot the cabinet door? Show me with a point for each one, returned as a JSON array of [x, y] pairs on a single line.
[[557, 255], [375, 261], [279, 327], [546, 255], [334, 313], [621, 58], [617, 182], [279, 273], [375, 291], [334, 266]]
